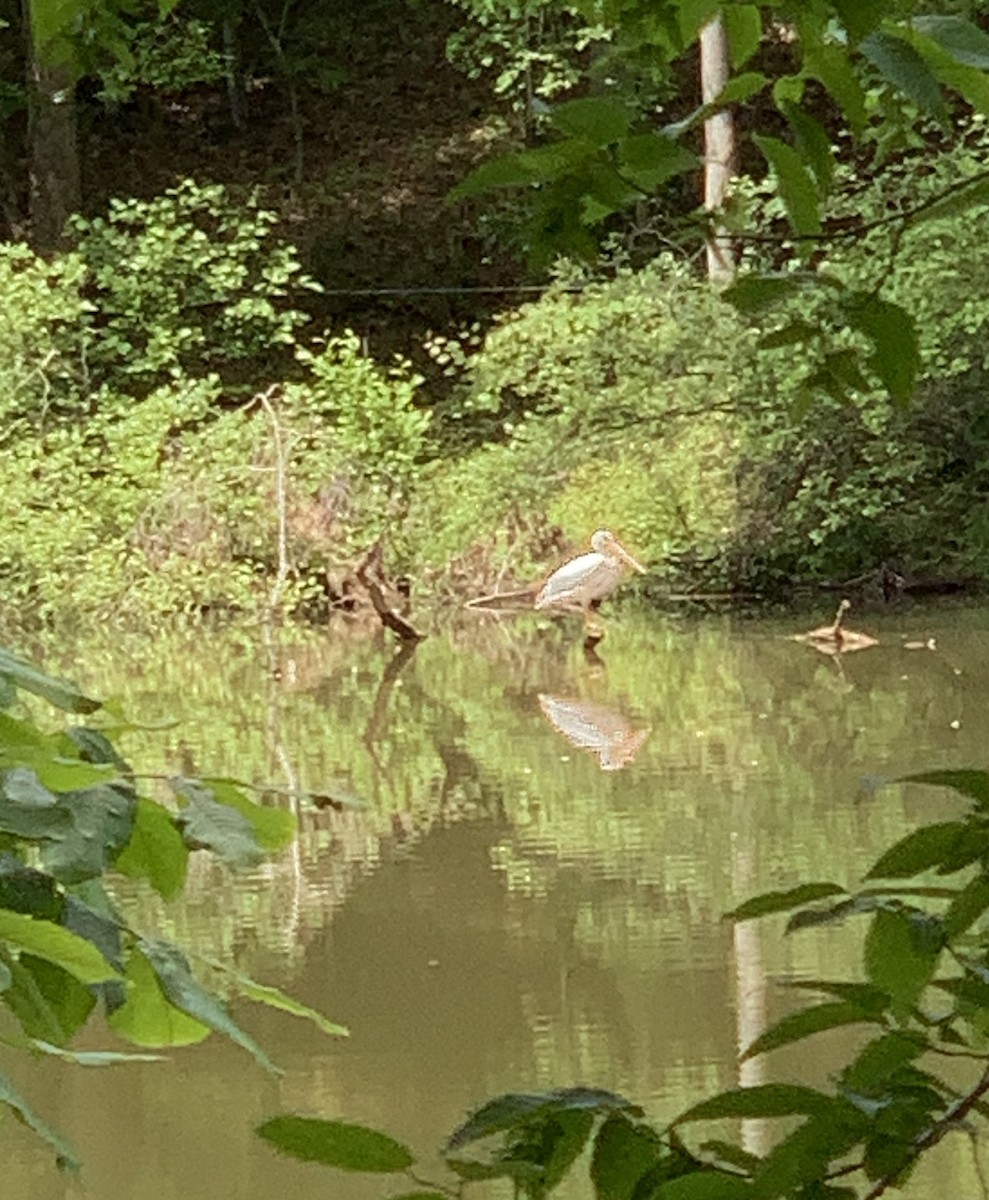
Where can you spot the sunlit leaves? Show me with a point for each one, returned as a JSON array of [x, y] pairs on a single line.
[[156, 850], [78, 957], [148, 1018], [337, 1144]]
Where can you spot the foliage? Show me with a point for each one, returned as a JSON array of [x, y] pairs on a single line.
[[186, 281], [532, 51], [169, 55], [922, 1005], [121, 366], [72, 810]]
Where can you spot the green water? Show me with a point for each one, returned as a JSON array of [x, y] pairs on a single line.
[[493, 910]]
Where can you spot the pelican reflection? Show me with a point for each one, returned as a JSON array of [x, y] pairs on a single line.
[[588, 726]]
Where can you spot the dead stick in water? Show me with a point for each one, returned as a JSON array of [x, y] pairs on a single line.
[[389, 617]]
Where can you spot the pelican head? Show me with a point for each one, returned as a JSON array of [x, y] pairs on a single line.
[[603, 541]]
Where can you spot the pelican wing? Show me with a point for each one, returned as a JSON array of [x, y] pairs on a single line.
[[579, 581]]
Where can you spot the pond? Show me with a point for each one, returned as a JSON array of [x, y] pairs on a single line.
[[515, 876]]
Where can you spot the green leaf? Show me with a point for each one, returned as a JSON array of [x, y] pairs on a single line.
[[420, 1196], [970, 903], [274, 998], [517, 1109], [965, 42], [94, 1058], [692, 16], [799, 1025], [208, 825], [728, 1152], [974, 784], [74, 954], [854, 907], [860, 17], [744, 25], [9, 1095], [147, 1018], [796, 186], [596, 119], [763, 1100], [524, 168], [155, 851], [918, 851], [706, 1183], [650, 159], [774, 902], [794, 333], [870, 1000], [805, 1155], [754, 293], [738, 89], [183, 990], [102, 819], [56, 691], [21, 786], [336, 1144], [623, 1152], [901, 953], [47, 1001], [880, 1059], [564, 1138], [813, 144], [891, 329], [273, 827], [831, 66], [26, 890], [900, 65]]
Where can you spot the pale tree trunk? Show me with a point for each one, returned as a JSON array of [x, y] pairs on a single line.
[[52, 138], [719, 144]]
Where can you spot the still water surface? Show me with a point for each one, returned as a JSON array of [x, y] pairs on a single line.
[[506, 906]]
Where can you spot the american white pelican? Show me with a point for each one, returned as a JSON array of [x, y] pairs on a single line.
[[588, 577]]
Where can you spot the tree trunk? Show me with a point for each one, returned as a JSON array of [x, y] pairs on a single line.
[[719, 145], [52, 137]]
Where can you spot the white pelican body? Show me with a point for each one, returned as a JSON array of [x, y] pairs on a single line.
[[588, 577]]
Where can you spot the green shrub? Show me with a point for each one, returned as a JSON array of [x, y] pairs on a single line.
[[185, 283]]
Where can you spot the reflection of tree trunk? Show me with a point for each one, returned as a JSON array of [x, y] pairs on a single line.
[[54, 151], [750, 977], [719, 144]]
